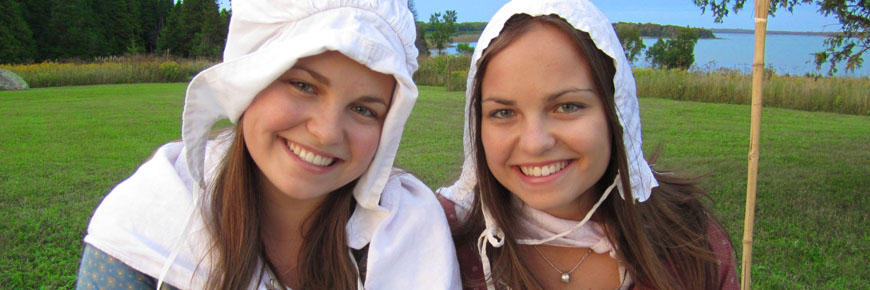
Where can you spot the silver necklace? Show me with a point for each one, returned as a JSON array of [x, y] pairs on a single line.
[[566, 276]]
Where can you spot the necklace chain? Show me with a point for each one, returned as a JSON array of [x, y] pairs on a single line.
[[566, 276]]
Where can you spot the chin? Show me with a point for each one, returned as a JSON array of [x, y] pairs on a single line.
[[554, 206]]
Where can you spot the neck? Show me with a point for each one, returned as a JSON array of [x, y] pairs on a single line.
[[282, 228], [577, 209], [284, 217]]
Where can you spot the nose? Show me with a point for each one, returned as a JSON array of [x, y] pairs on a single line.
[[325, 124], [536, 138]]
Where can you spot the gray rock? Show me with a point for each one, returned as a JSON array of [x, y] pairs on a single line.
[[11, 81]]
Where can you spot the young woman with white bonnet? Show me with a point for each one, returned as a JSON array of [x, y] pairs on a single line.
[[555, 192], [301, 193]]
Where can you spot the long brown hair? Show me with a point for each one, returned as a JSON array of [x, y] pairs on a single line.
[[234, 223], [662, 242]]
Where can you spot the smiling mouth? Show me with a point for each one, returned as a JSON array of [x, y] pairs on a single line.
[[310, 157], [541, 171]]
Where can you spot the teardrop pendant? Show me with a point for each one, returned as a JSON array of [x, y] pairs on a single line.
[[566, 278]]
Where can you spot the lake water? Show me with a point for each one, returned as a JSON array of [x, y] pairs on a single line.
[[790, 54]]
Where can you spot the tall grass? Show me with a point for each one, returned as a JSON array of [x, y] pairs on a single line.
[[830, 94], [110, 70], [809, 93], [450, 71]]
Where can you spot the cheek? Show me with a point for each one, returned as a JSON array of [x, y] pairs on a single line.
[[363, 141], [597, 143], [249, 124], [495, 143]]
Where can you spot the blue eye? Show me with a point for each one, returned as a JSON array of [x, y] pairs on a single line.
[[502, 114], [363, 111], [302, 86], [568, 108]]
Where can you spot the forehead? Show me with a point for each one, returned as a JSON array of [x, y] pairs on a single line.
[[541, 59], [336, 61], [338, 70]]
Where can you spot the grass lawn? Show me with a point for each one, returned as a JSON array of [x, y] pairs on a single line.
[[64, 148]]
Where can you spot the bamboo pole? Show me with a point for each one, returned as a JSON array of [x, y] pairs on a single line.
[[761, 8]]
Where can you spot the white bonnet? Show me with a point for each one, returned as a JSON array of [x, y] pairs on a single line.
[[585, 17], [267, 37]]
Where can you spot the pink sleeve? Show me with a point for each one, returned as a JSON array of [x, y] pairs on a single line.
[[470, 267], [721, 245]]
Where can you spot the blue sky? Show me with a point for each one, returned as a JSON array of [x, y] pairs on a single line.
[[674, 12]]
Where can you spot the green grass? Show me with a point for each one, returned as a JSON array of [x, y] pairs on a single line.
[[810, 230], [64, 148]]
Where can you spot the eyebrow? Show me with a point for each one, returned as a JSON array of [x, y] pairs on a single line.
[[499, 101], [550, 98], [318, 77], [376, 100], [555, 96]]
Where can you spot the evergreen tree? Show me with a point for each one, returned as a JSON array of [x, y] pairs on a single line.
[[16, 40], [120, 24], [38, 14], [420, 41], [224, 28], [195, 28], [172, 37], [73, 32], [201, 20], [153, 15]]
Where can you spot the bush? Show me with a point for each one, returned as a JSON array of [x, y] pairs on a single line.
[[171, 72], [457, 80], [443, 70], [674, 53]]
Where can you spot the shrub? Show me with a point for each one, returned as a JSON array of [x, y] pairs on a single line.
[[457, 80], [171, 71], [440, 70]]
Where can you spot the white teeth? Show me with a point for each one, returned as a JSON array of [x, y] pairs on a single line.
[[539, 171], [310, 157]]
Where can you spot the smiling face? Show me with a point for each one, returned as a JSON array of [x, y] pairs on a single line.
[[317, 127], [543, 126]]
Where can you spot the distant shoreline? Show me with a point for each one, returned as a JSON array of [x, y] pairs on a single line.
[[778, 32], [472, 36]]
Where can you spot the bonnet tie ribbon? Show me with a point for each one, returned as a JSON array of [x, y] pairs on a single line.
[[495, 236]]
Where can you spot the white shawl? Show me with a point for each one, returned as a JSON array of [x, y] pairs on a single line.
[[153, 220]]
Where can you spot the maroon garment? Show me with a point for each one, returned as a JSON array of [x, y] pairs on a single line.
[[471, 268]]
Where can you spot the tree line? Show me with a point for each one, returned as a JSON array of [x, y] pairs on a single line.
[[678, 51], [464, 28], [39, 30], [653, 30]]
